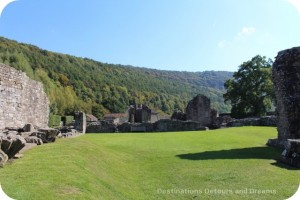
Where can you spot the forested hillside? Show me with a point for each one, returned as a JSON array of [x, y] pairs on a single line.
[[73, 83]]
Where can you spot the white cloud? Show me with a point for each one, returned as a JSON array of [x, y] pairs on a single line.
[[245, 32], [222, 44], [242, 35], [295, 3]]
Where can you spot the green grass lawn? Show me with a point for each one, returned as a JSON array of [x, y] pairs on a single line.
[[221, 164]]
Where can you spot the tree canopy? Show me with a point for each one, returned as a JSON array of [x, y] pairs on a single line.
[[74, 83], [250, 92]]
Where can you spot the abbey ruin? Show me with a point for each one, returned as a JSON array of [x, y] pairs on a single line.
[[24, 113]]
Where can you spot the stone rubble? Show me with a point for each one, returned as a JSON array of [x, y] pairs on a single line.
[[14, 141], [291, 153]]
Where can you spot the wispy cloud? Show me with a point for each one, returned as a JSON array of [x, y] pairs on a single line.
[[295, 3], [245, 32], [222, 44]]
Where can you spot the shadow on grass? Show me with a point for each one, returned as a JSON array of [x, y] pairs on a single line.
[[284, 166], [269, 153], [244, 153]]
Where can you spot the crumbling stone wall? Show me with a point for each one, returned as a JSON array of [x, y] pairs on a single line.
[[178, 116], [286, 78], [198, 109], [166, 125], [101, 127], [22, 100], [139, 114]]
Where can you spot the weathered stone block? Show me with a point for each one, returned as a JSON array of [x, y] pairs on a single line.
[[47, 134], [291, 153], [34, 139], [28, 128], [12, 144], [18, 143]]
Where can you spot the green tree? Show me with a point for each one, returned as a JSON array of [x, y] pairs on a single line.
[[250, 92]]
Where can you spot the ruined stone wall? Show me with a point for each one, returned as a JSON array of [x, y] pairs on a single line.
[[198, 109], [166, 125], [286, 78], [139, 114], [22, 100]]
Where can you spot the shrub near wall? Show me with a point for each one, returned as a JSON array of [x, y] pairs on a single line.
[[67, 120], [54, 120]]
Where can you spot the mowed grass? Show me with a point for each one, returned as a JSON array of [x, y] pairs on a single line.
[[221, 164]]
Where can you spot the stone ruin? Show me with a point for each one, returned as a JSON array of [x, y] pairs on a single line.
[[80, 122], [199, 110], [286, 78], [24, 115], [15, 140], [139, 114], [139, 120], [101, 127], [177, 115], [22, 100]]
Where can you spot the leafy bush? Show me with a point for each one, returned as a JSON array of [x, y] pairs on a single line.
[[54, 120]]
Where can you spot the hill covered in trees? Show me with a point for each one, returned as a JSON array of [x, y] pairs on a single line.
[[73, 83]]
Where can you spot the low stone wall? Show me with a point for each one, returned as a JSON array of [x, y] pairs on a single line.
[[101, 127], [261, 121], [167, 125], [163, 125], [174, 126]]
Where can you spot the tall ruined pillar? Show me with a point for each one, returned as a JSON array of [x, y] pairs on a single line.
[[286, 78], [80, 121]]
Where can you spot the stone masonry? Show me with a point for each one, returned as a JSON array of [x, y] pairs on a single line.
[[80, 122], [198, 110], [22, 100], [139, 114], [286, 78]]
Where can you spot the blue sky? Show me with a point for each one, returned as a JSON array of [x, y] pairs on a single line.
[[182, 35]]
